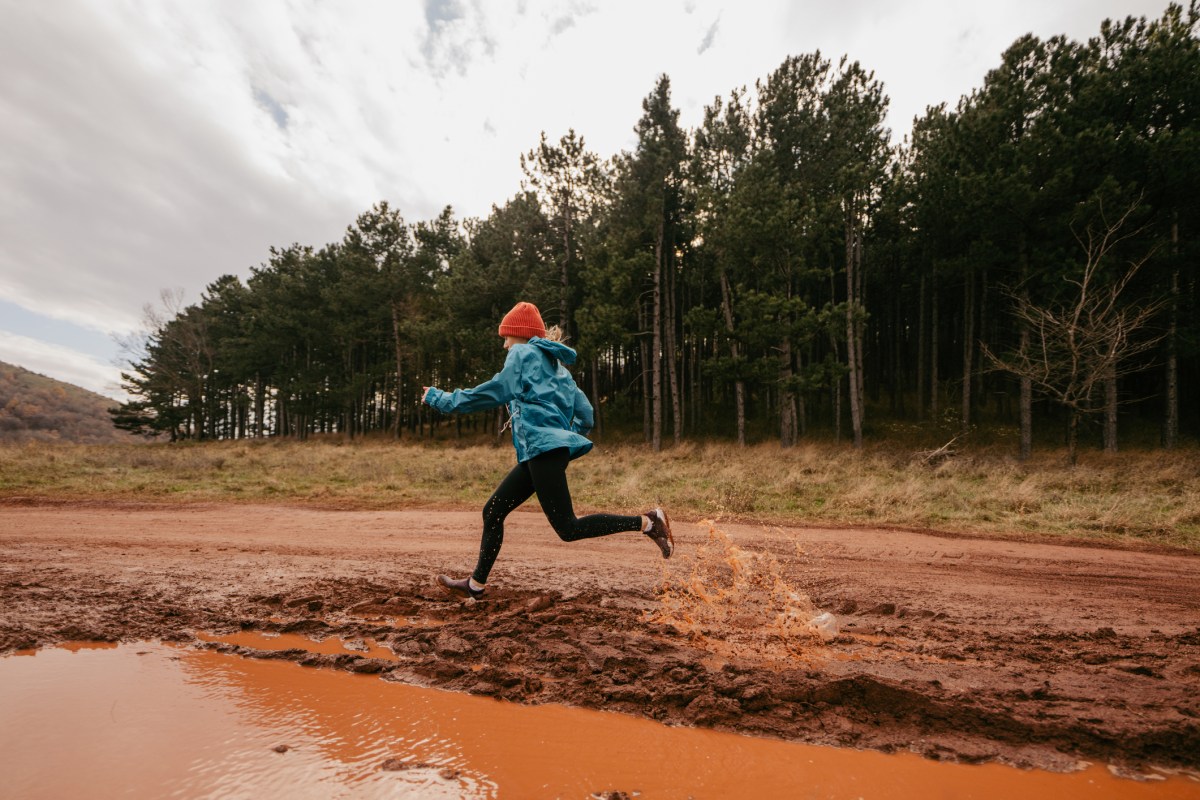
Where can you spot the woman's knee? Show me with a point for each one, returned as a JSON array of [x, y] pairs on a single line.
[[494, 512], [563, 524]]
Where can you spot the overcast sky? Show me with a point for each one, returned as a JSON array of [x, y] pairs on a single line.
[[161, 144]]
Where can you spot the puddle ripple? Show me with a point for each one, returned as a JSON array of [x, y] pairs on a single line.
[[157, 720]]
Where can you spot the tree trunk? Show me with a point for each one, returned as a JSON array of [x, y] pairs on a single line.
[[697, 386], [968, 347], [399, 366], [1072, 436], [836, 387], [980, 396], [197, 415], [837, 410], [1026, 403], [896, 372], [260, 401], [647, 389], [348, 403], [853, 345], [787, 397], [1110, 414], [860, 322], [565, 289], [739, 386], [598, 425], [656, 348], [921, 351], [933, 355], [1026, 408], [1171, 423], [670, 347]]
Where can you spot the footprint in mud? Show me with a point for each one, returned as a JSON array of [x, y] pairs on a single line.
[[391, 607], [540, 603], [312, 602]]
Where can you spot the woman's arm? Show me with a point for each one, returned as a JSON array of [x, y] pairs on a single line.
[[502, 388], [584, 415]]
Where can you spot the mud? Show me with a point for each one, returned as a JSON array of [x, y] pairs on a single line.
[[956, 648], [169, 720]]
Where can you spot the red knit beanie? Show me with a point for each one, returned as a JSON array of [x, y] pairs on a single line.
[[524, 321]]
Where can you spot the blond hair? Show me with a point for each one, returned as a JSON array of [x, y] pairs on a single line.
[[555, 334]]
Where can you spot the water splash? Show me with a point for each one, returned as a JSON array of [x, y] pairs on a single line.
[[736, 601]]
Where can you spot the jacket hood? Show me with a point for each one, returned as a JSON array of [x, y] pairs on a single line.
[[557, 349]]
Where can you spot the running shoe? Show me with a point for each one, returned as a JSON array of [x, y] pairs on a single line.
[[660, 531], [459, 588]]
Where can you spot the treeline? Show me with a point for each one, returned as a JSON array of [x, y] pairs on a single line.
[[1026, 257]]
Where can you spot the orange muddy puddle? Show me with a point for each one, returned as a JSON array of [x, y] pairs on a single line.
[[154, 720], [291, 641]]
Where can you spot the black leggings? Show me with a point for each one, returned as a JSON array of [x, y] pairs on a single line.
[[547, 475]]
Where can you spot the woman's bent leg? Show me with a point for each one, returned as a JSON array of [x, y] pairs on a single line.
[[516, 488], [549, 476]]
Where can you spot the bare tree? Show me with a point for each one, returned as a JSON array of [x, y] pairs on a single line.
[[1084, 343]]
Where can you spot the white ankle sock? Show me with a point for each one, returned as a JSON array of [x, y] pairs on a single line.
[[475, 587], [649, 526]]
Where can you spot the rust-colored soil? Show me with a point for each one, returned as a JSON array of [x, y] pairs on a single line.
[[958, 648]]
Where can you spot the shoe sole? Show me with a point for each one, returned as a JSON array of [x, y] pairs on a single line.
[[459, 593], [670, 537]]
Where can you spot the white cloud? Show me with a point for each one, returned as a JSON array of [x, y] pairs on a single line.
[[60, 363], [163, 144]]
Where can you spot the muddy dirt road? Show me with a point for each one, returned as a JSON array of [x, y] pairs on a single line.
[[954, 647]]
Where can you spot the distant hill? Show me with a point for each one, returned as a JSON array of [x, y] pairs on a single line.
[[34, 408]]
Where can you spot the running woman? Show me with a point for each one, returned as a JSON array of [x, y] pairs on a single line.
[[550, 418]]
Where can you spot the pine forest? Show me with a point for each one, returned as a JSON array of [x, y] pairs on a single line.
[[1025, 260]]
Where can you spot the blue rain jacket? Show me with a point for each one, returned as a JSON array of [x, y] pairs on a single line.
[[548, 410]]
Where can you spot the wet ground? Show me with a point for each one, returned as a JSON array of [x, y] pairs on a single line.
[[159, 720], [954, 648]]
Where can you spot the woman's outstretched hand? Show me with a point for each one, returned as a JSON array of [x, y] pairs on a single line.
[[424, 393]]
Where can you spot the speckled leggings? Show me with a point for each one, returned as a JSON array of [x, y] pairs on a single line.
[[547, 476]]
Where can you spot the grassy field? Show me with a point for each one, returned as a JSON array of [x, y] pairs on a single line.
[[1150, 497]]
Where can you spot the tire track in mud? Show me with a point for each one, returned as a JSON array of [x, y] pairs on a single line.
[[987, 659]]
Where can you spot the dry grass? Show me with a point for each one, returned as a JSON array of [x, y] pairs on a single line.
[[1150, 496]]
